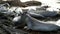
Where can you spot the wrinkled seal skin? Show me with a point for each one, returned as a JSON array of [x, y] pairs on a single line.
[[34, 24], [38, 25], [42, 12]]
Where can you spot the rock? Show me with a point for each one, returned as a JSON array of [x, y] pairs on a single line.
[[13, 31], [16, 19]]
